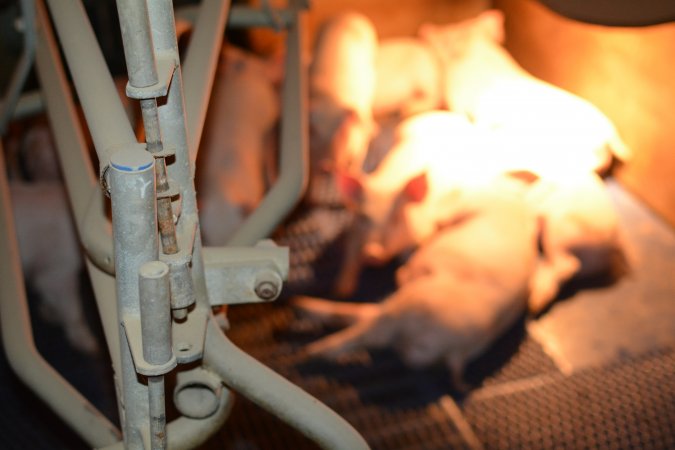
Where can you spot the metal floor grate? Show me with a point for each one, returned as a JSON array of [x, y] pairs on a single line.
[[524, 403], [393, 406], [628, 405]]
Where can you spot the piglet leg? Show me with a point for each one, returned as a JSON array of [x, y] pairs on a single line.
[[376, 332], [338, 313], [347, 278], [547, 279]]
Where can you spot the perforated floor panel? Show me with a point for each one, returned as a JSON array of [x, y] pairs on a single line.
[[620, 396], [614, 344], [520, 399]]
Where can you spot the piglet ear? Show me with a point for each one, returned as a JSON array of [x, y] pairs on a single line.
[[349, 186], [416, 189], [526, 176]]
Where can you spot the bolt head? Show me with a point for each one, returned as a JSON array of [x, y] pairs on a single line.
[[266, 290]]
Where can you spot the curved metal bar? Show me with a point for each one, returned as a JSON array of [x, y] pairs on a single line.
[[293, 165], [22, 68], [106, 117], [84, 192], [277, 395], [199, 67], [17, 338]]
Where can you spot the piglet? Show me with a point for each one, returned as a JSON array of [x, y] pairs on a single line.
[[236, 157], [548, 128], [401, 202], [580, 234], [457, 294], [341, 90], [51, 258], [408, 78]]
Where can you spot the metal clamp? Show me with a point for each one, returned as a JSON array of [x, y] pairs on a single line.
[[237, 275], [166, 65]]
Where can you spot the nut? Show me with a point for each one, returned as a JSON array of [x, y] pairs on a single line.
[[266, 290]]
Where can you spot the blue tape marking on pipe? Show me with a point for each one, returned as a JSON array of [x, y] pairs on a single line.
[[130, 168], [131, 160]]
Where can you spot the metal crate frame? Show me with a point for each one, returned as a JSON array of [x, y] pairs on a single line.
[[204, 360]]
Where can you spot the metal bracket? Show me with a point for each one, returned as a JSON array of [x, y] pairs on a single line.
[[132, 328], [188, 336], [166, 65], [237, 275]]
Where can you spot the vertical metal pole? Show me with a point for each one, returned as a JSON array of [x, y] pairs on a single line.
[[134, 219], [141, 64], [171, 113], [156, 332], [142, 70], [174, 134]]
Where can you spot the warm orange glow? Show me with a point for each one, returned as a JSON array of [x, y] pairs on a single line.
[[626, 72]]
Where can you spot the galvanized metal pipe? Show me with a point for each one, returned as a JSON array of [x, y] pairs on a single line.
[[185, 433], [106, 118], [132, 193], [83, 190], [17, 339], [181, 171], [171, 113], [153, 138], [137, 40], [155, 312], [182, 290], [142, 69], [156, 407], [199, 68], [156, 332], [293, 164]]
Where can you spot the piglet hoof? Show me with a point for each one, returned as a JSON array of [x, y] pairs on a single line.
[[543, 290]]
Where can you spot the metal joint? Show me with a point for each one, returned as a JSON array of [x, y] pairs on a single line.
[[237, 275], [166, 66]]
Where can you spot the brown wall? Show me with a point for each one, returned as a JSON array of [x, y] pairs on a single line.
[[398, 18], [401, 17], [629, 73]]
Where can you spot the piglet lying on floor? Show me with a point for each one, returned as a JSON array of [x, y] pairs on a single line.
[[236, 157], [341, 91], [580, 235], [408, 78], [457, 294], [552, 129]]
